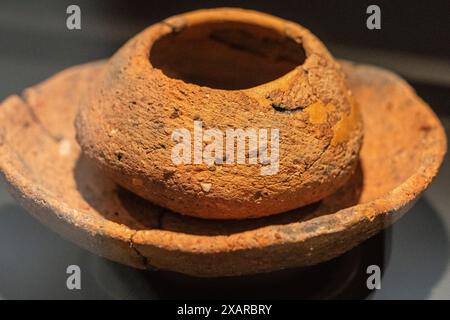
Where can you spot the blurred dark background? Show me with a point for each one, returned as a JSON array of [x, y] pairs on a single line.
[[413, 40]]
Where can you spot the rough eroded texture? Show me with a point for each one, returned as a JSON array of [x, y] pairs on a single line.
[[41, 164], [126, 123]]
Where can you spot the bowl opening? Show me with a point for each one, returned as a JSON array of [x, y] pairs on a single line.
[[226, 55]]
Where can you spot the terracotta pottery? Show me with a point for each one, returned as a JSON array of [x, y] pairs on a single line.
[[226, 69], [42, 167]]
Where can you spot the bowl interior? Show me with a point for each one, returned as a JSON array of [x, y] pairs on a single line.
[[226, 54]]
